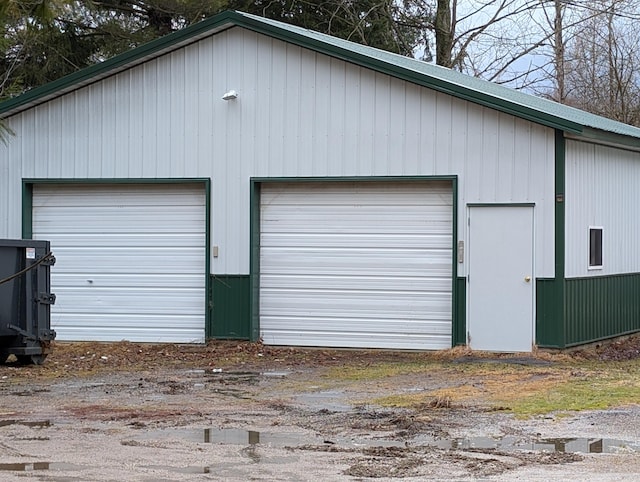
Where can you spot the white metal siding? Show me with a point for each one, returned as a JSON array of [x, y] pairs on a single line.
[[356, 264], [298, 113], [602, 190], [130, 260]]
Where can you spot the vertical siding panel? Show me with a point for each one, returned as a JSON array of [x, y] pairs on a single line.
[[601, 191], [122, 128], [263, 97], [366, 124], [191, 73], [489, 156], [447, 119], [217, 86], [150, 119], [523, 150], [336, 117], [307, 113], [381, 122], [291, 111], [27, 147], [109, 123], [204, 107], [80, 132], [67, 134], [41, 168], [352, 120], [13, 178], [178, 104], [164, 118], [428, 141], [94, 147], [396, 154], [275, 127], [411, 141], [6, 181], [235, 170], [54, 151], [321, 116], [506, 158], [135, 160], [10, 174], [249, 101], [473, 161], [459, 152]]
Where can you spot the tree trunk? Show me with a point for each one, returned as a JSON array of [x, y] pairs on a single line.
[[444, 40], [558, 51]]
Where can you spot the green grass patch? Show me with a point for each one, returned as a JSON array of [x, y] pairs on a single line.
[[592, 392], [525, 390], [380, 370]]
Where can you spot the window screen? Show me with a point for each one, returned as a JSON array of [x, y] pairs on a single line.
[[595, 247]]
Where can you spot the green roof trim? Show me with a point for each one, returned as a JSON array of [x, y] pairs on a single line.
[[444, 80]]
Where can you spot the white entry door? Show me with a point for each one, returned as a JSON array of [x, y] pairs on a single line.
[[501, 280]]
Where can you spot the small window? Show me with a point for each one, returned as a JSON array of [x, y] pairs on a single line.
[[595, 248]]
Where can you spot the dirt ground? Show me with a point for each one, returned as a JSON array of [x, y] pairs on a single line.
[[241, 411]]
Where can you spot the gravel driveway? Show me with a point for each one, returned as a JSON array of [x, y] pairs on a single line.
[[176, 413]]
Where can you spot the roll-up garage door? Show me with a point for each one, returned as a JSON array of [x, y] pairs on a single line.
[[356, 264], [130, 260]]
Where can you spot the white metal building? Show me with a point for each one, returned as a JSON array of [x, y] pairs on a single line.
[[340, 196]]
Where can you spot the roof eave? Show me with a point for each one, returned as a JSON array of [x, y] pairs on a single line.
[[605, 138]]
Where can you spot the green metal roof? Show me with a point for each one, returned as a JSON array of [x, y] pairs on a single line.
[[479, 91]]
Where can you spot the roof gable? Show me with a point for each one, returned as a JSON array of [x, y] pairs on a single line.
[[444, 80]]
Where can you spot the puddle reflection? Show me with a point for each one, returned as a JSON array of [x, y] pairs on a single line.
[[510, 444], [31, 466], [251, 438], [232, 436], [26, 423]]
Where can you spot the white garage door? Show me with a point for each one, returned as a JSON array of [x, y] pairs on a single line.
[[130, 260], [365, 264]]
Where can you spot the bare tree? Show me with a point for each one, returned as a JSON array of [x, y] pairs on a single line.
[[480, 37], [604, 74]]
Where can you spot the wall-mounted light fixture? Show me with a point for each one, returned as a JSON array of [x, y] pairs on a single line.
[[230, 95]]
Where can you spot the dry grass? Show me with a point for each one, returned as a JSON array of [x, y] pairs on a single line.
[[540, 382]]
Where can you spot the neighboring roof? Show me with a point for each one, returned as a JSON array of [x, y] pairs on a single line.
[[482, 92]]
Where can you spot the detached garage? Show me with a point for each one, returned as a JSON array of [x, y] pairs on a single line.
[[243, 178]]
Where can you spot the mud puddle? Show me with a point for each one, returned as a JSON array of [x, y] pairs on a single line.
[[551, 445], [26, 423], [224, 382], [31, 466], [292, 440]]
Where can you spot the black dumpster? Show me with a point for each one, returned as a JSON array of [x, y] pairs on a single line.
[[25, 300]]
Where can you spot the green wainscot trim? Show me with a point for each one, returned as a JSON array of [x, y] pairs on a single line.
[[601, 307], [549, 313], [230, 307], [460, 313]]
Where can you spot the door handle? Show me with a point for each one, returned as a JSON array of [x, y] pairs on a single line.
[[527, 279]]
